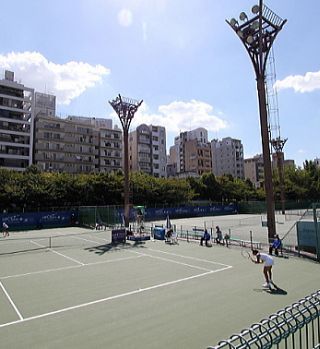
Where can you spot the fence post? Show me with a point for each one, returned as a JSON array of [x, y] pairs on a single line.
[[315, 220]]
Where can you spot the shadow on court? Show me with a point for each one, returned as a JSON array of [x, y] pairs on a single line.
[[114, 247], [274, 291]]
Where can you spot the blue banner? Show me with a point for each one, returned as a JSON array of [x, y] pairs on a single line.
[[181, 212], [37, 220]]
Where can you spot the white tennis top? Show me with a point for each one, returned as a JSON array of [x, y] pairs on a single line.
[[267, 259]]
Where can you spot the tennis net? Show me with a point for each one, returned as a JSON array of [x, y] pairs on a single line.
[[15, 245]]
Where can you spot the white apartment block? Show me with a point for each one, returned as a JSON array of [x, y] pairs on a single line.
[[16, 123], [227, 157], [147, 150]]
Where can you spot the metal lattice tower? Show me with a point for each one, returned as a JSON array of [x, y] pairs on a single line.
[[276, 141], [257, 34], [125, 109]]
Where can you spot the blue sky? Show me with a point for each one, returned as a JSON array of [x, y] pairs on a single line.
[[179, 56]]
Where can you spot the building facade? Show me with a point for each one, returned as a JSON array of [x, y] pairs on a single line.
[[254, 170], [227, 157], [76, 144], [62, 145], [191, 154], [44, 104], [147, 150], [16, 124], [110, 149]]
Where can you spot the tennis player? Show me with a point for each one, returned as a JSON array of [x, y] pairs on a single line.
[[5, 230], [267, 267]]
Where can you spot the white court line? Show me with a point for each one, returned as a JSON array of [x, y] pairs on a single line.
[[58, 253], [66, 268], [11, 302], [121, 295], [173, 261], [192, 258], [179, 255]]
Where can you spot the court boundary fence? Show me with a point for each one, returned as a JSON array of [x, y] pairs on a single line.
[[296, 326]]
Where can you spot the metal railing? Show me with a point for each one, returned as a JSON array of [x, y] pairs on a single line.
[[294, 327]]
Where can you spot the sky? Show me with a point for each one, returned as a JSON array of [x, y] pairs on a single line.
[[179, 56]]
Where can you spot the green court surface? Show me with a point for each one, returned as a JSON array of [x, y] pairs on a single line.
[[84, 292]]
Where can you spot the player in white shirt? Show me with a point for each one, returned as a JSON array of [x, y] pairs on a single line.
[[267, 267]]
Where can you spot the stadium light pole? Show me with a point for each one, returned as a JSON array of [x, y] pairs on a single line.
[[125, 109], [257, 35]]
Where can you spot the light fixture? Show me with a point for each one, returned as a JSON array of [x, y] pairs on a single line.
[[250, 39], [240, 34], [243, 16], [255, 9], [234, 22]]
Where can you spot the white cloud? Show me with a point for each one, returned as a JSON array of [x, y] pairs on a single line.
[[300, 83], [125, 17], [66, 81], [179, 116]]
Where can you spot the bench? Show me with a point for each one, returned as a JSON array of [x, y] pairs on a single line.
[[246, 243], [197, 233]]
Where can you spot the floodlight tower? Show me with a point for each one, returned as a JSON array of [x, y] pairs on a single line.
[[125, 109], [257, 35]]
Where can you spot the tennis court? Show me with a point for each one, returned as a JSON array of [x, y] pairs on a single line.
[[72, 288]]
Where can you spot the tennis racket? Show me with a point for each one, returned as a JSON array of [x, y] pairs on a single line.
[[245, 254]]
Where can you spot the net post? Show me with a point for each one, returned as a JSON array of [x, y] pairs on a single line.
[[50, 244]]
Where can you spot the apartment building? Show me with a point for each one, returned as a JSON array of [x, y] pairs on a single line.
[[276, 157], [110, 149], [191, 154], [76, 144], [254, 170], [44, 104], [62, 145], [227, 157], [147, 150], [16, 123], [197, 157]]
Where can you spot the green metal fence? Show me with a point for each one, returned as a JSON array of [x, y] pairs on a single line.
[[295, 327], [259, 207], [91, 215]]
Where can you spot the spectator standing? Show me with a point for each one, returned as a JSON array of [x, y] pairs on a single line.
[[219, 238]]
